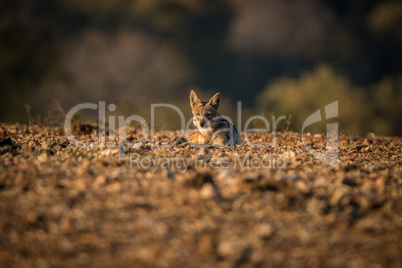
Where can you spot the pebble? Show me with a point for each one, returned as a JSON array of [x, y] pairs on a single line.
[[289, 155], [205, 244], [207, 191], [264, 231], [380, 183], [82, 258], [302, 187], [114, 187], [138, 146], [343, 143], [99, 181], [66, 246], [79, 184], [108, 152], [41, 263], [317, 138], [226, 249], [340, 197], [147, 254], [31, 144]]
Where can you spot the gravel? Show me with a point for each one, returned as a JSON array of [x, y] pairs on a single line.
[[64, 206]]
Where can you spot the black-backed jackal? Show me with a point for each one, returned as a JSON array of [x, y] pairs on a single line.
[[213, 128]]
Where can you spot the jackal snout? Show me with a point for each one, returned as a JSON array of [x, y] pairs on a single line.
[[203, 122]]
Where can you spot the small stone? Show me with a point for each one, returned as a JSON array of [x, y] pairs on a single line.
[[264, 231], [42, 158], [65, 226], [138, 146], [82, 258], [79, 184], [289, 155], [99, 181], [45, 145], [317, 138], [108, 152], [320, 182], [207, 191], [379, 183], [31, 217], [147, 254], [115, 174], [181, 179], [340, 197], [369, 225], [89, 239], [31, 144], [226, 249], [66, 246], [302, 187], [343, 143], [205, 244], [257, 257], [225, 174], [114, 187], [41, 263]]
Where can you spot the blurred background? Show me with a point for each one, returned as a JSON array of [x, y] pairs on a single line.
[[276, 57]]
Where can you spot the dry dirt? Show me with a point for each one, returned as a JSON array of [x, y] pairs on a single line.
[[63, 206]]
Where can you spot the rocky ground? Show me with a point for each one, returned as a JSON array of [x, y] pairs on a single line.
[[270, 204]]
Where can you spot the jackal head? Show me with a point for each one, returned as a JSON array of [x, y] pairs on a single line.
[[205, 114]]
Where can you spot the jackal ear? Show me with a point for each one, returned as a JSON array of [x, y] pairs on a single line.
[[194, 99], [215, 101]]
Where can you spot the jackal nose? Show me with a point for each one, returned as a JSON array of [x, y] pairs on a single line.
[[202, 123]]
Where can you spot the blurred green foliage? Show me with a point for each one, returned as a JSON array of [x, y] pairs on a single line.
[[312, 91], [386, 19], [386, 106], [360, 110], [137, 52]]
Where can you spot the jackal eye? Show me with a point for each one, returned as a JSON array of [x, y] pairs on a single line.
[[208, 115]]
